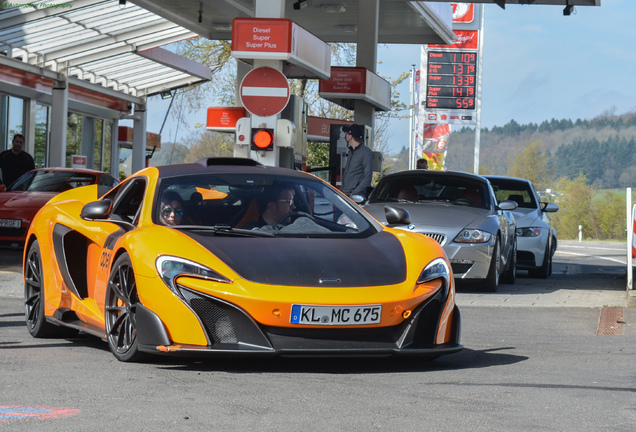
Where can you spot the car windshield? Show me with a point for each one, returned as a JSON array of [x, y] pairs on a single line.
[[257, 204], [520, 192], [425, 188], [52, 181]]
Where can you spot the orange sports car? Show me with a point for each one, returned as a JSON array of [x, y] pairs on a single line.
[[228, 257]]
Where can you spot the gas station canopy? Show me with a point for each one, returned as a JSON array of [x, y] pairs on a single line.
[[330, 20], [400, 21], [100, 42]]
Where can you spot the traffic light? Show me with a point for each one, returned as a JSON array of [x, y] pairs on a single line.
[[262, 139]]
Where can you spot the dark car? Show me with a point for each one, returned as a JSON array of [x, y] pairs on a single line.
[[20, 201]]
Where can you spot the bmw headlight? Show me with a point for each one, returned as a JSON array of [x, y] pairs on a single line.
[[529, 232], [469, 235], [437, 269], [170, 268]]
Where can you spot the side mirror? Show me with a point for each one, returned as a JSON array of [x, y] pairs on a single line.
[[508, 205], [397, 215], [99, 211], [358, 199], [549, 207], [96, 210]]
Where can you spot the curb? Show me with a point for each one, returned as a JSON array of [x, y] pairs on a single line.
[[630, 298]]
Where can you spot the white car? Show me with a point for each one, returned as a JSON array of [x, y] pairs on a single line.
[[536, 237]]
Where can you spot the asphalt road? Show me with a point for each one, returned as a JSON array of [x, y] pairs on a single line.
[[532, 362]]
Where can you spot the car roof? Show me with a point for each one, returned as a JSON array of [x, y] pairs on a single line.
[[77, 170], [495, 177], [227, 166], [429, 173]]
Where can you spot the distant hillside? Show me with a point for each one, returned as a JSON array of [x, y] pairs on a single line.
[[603, 149]]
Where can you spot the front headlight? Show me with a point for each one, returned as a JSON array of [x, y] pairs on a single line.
[[437, 269], [529, 232], [469, 235], [170, 268]]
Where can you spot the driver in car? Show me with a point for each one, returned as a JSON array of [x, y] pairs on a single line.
[[273, 205]]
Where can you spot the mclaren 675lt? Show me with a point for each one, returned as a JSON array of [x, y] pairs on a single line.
[[228, 257]]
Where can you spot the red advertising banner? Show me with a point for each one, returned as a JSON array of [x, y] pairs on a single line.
[[305, 55], [224, 118], [125, 138], [463, 12], [466, 39], [349, 80], [262, 35], [318, 128], [349, 83]]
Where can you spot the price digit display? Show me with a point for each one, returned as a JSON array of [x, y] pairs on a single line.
[[451, 80]]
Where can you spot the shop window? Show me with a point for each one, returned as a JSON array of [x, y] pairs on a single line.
[[42, 123]]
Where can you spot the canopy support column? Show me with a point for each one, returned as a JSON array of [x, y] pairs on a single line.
[[59, 114]]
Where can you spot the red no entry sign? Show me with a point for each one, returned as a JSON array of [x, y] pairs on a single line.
[[264, 91]]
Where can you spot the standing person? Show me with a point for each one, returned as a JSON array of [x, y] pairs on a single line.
[[422, 164], [358, 171], [15, 162]]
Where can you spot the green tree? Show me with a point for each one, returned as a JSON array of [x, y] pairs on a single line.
[[575, 204], [532, 164], [210, 144], [169, 153], [608, 221]]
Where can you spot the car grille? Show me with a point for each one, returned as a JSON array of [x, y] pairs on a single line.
[[213, 316], [460, 268], [525, 258], [439, 238]]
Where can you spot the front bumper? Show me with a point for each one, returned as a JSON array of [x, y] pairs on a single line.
[[232, 332], [470, 260], [531, 251]]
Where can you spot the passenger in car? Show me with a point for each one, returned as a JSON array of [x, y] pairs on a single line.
[[171, 208]]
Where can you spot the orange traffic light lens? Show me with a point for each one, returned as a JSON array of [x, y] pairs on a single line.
[[263, 139]]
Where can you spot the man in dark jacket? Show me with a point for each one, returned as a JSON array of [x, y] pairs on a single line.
[[15, 162], [358, 171]]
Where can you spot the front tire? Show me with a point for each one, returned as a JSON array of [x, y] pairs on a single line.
[[34, 295], [491, 284], [546, 267], [510, 275], [120, 311]]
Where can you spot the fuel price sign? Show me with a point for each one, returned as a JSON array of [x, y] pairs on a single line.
[[451, 79]]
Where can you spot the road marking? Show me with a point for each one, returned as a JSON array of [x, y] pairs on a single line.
[[591, 256], [15, 412]]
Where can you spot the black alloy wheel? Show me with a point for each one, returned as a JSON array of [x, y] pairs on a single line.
[[120, 311], [34, 295]]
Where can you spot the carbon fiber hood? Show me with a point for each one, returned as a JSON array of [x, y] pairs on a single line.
[[338, 262]]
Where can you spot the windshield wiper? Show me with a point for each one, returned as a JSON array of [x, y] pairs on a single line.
[[225, 230]]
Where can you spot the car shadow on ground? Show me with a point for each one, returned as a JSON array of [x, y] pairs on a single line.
[[583, 277], [465, 359]]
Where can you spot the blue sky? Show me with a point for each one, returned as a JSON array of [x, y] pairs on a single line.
[[537, 65]]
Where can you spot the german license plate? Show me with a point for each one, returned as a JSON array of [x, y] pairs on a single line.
[[335, 315], [10, 223]]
